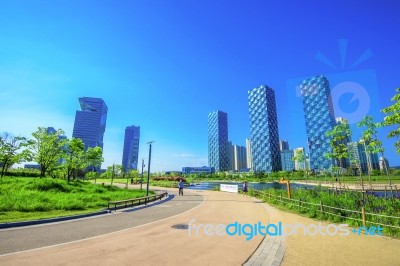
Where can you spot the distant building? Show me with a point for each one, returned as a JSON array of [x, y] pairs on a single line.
[[32, 166], [239, 157], [300, 164], [198, 170], [284, 145], [287, 160], [359, 159], [130, 155], [319, 117], [264, 130], [249, 156], [218, 157], [231, 157], [384, 165], [90, 122]]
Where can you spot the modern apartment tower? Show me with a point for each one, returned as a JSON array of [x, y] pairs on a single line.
[[218, 141], [130, 155], [249, 157], [239, 158], [264, 130], [319, 117], [90, 122], [284, 145]]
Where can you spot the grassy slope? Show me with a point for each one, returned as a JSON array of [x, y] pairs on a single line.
[[34, 198]]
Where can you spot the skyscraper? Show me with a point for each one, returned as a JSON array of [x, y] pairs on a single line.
[[319, 117], [130, 155], [90, 122], [218, 141], [249, 157], [264, 130], [359, 158], [284, 145], [287, 160]]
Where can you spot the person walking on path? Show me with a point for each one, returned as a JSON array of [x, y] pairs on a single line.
[[245, 188], [180, 186]]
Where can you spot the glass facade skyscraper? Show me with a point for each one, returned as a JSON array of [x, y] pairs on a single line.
[[264, 130], [218, 141], [130, 155], [319, 117], [90, 122]]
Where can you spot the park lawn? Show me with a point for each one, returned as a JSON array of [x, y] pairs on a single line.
[[24, 199]]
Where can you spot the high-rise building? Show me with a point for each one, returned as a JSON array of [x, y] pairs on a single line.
[[301, 159], [218, 156], [319, 117], [90, 122], [358, 157], [130, 157], [284, 145], [249, 157], [384, 165], [264, 130], [239, 157], [287, 160]]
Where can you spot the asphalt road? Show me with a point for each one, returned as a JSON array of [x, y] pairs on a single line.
[[32, 237]]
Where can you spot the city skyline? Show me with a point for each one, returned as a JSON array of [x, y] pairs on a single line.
[[164, 66]]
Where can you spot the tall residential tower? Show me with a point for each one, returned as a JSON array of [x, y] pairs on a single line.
[[264, 130], [320, 118], [130, 155], [218, 141]]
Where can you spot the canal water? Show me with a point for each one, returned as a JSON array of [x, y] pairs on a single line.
[[262, 186]]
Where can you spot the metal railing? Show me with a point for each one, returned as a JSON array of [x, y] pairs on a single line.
[[135, 202]]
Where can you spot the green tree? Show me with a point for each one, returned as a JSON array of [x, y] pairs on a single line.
[[339, 137], [47, 148], [12, 151], [392, 118], [300, 157], [74, 159], [369, 138]]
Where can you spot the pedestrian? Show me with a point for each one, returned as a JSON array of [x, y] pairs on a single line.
[[245, 188], [180, 186]]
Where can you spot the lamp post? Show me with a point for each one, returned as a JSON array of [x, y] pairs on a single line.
[[141, 176], [148, 168]]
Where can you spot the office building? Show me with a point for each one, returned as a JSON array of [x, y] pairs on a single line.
[[239, 158], [130, 157], [358, 158], [197, 170], [90, 122], [218, 157], [384, 165], [287, 160], [319, 118], [249, 158], [264, 130], [284, 145]]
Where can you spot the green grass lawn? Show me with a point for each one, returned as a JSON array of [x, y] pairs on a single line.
[[24, 199]]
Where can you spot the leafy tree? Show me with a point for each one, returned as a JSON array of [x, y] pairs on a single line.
[[47, 148], [74, 159], [301, 158], [338, 141], [370, 140], [393, 119], [10, 151]]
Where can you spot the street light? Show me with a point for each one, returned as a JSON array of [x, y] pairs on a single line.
[[141, 176], [148, 169]]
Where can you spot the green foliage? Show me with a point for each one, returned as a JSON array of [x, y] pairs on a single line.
[[349, 200], [393, 119], [338, 137], [32, 195], [12, 151], [47, 149]]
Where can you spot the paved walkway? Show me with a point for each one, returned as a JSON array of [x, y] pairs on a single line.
[[150, 237], [145, 243]]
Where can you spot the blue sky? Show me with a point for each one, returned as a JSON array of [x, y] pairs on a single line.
[[164, 65]]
